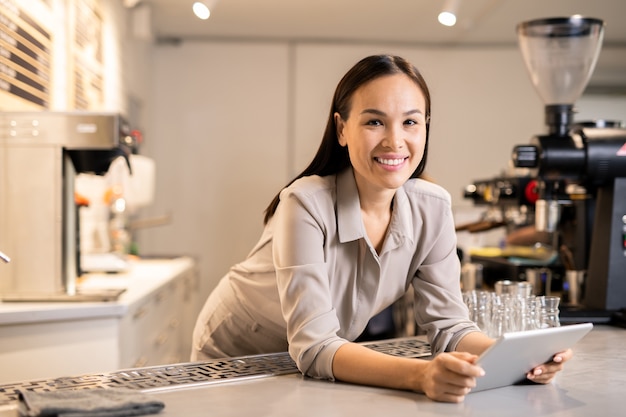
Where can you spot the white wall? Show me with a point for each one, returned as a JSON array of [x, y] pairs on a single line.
[[234, 121], [594, 107], [219, 135]]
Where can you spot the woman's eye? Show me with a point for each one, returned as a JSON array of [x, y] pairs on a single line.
[[374, 122], [414, 122]]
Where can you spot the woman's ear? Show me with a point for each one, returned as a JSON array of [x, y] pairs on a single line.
[[339, 124]]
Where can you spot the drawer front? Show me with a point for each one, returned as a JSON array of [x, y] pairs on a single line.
[[158, 330], [150, 331]]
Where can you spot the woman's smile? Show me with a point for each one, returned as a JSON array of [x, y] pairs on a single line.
[[391, 163]]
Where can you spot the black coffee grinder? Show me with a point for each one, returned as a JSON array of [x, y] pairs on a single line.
[[578, 166]]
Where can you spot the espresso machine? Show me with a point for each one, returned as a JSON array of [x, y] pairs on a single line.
[[579, 168], [40, 155]]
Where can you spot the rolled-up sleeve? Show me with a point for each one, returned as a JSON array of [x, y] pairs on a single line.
[[439, 307], [303, 284]]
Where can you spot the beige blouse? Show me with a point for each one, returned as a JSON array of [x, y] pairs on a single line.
[[315, 274]]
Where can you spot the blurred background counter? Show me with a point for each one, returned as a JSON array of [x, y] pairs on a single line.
[[149, 324]]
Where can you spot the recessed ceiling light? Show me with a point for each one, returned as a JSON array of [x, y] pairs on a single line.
[[201, 10], [447, 19]]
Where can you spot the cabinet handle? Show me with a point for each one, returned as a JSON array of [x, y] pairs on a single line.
[[140, 362], [141, 312], [161, 339], [174, 359]]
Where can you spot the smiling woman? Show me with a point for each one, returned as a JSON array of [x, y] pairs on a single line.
[[344, 240]]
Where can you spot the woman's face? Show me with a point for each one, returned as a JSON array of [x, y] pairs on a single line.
[[385, 132]]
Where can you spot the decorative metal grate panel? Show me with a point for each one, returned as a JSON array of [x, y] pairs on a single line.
[[169, 377], [409, 347]]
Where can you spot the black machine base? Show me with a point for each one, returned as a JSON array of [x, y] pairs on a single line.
[[581, 314]]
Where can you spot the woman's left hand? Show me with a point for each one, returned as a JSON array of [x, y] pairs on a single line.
[[545, 373]]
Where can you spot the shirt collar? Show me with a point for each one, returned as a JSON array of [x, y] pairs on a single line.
[[350, 224], [401, 226]]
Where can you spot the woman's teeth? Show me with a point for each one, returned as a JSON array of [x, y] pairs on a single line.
[[397, 161]]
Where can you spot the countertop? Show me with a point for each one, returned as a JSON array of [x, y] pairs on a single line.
[[141, 278], [592, 384]]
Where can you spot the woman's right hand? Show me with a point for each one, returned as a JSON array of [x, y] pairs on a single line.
[[450, 376]]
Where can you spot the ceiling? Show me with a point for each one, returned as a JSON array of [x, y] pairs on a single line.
[[480, 22]]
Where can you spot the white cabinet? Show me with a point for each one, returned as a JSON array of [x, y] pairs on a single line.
[[150, 324], [154, 331]]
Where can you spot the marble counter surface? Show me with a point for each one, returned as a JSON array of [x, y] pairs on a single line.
[[592, 384], [142, 278]]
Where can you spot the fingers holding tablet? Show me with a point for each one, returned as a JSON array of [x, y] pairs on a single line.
[[545, 373], [451, 376]]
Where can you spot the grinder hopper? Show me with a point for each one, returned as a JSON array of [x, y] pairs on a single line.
[[560, 55]]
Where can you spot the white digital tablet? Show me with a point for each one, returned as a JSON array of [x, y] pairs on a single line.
[[510, 358]]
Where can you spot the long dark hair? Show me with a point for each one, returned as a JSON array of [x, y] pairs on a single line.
[[331, 157]]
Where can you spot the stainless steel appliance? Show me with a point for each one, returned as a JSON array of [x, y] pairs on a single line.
[[40, 154], [578, 166]]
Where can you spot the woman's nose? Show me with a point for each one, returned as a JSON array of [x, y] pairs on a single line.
[[394, 138]]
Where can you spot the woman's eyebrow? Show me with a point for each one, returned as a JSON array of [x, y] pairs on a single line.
[[382, 113], [373, 111]]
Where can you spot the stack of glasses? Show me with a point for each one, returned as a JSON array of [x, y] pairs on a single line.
[[511, 308]]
